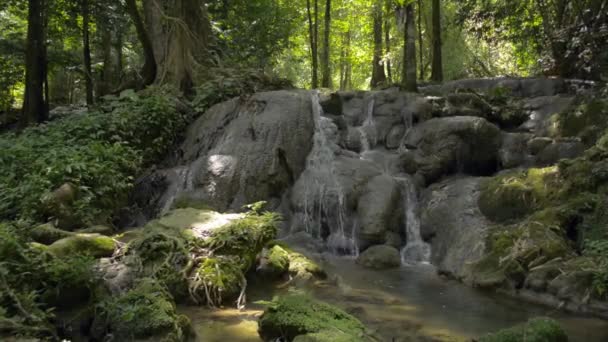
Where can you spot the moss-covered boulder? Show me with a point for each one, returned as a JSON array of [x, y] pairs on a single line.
[[296, 314], [380, 257], [47, 233], [147, 312], [535, 330], [94, 245], [274, 262], [514, 195]]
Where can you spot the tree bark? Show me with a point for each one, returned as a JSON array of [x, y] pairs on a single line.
[[387, 41], [409, 53], [326, 80], [420, 41], [437, 66], [378, 75], [86, 49], [106, 79], [149, 69], [34, 106], [312, 33]]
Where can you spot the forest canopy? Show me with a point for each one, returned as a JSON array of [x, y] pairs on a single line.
[[80, 50]]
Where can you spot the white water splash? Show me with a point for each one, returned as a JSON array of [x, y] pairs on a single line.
[[324, 199], [408, 121], [416, 250], [367, 130]]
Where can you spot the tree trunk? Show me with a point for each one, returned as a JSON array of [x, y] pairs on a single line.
[[437, 66], [119, 57], [149, 70], [387, 41], [326, 81], [181, 31], [378, 75], [106, 81], [409, 53], [420, 41], [34, 107], [86, 49], [312, 33]]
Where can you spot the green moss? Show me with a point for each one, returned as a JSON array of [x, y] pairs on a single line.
[[217, 280], [327, 336], [515, 195], [296, 314], [146, 311], [535, 330], [586, 119], [276, 261], [245, 237], [94, 245], [47, 233], [184, 218]]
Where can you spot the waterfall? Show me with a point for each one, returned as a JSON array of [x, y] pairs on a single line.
[[324, 198], [416, 250], [408, 122], [367, 130]]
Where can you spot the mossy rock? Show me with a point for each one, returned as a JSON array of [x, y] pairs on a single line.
[[218, 280], [380, 257], [47, 233], [145, 312], [184, 218], [327, 336], [94, 245], [586, 120], [274, 262], [535, 330], [98, 229], [515, 195], [296, 314]]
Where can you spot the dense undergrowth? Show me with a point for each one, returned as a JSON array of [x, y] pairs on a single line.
[[75, 172]]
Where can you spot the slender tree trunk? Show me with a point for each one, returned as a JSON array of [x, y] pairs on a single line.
[[437, 66], [86, 48], [107, 72], [409, 53], [118, 70], [420, 41], [34, 107], [149, 70], [326, 80], [378, 75], [312, 33], [387, 41]]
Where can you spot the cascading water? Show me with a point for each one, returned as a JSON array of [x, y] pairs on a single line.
[[408, 121], [416, 250], [367, 131], [324, 198]]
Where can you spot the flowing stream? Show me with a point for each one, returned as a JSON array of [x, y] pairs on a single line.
[[411, 303]]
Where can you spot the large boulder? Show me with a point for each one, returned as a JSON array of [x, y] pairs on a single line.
[[379, 210], [94, 245], [452, 222], [514, 150], [241, 151], [380, 257], [295, 315], [455, 144], [566, 149]]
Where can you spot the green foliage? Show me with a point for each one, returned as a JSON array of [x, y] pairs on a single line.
[[32, 282], [586, 119], [99, 152], [297, 314], [221, 84], [535, 330], [598, 249], [143, 312]]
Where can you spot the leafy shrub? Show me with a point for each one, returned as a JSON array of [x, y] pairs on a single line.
[[598, 249], [100, 153]]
